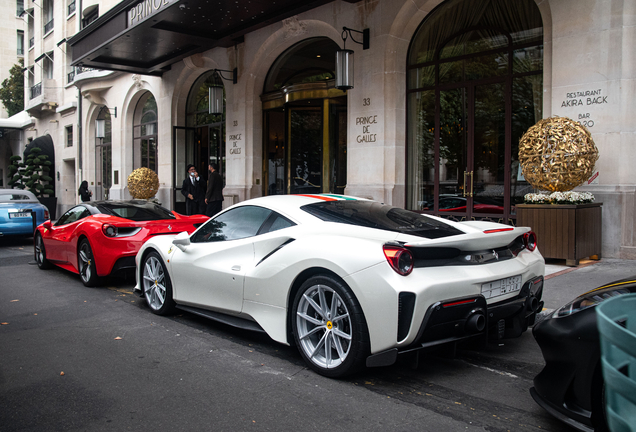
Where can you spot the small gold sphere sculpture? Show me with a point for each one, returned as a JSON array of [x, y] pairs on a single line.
[[557, 154], [143, 183]]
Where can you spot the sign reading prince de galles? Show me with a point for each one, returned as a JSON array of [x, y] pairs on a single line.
[[145, 9]]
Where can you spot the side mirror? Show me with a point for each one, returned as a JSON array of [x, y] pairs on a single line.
[[46, 224], [182, 240]]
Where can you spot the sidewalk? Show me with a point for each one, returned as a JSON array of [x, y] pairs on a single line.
[[563, 283]]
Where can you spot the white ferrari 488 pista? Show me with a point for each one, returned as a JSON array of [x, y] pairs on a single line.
[[351, 282]]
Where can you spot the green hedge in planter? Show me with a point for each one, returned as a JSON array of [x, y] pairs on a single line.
[[36, 177]]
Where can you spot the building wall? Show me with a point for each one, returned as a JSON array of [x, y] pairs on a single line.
[[593, 82], [10, 23], [588, 51]]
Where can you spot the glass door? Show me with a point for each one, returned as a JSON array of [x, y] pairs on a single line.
[[472, 151], [104, 169], [487, 173], [453, 150], [275, 153], [305, 149], [216, 149], [337, 145], [183, 148]]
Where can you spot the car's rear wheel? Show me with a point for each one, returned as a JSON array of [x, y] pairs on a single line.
[[329, 327], [86, 264], [40, 253], [156, 284]]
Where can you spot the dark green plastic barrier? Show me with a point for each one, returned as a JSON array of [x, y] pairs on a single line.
[[617, 327]]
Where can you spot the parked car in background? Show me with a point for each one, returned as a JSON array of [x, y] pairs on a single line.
[[98, 238], [570, 386], [458, 204], [350, 282], [17, 208]]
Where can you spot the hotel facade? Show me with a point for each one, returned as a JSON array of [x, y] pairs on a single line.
[[427, 117]]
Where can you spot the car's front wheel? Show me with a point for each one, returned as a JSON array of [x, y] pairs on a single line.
[[86, 264], [329, 327], [156, 284], [40, 253]]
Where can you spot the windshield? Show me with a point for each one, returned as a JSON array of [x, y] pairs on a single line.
[[381, 216], [17, 197], [136, 211]]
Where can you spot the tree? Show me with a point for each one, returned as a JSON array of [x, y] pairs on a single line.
[[12, 89]]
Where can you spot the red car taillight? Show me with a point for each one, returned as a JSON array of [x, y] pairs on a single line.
[[47, 216], [400, 259], [530, 240], [109, 230]]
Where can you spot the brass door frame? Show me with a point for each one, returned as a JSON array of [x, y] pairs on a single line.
[[287, 99]]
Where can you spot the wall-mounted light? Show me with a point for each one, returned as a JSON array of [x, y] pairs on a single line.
[[100, 128], [344, 58], [215, 92], [100, 124]]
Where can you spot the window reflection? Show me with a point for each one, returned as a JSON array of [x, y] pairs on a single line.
[[238, 223]]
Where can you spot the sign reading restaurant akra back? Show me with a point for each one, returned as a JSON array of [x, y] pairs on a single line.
[[145, 9]]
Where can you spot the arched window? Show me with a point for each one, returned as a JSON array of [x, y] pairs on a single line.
[[103, 154], [474, 86], [309, 61], [305, 122], [145, 133], [209, 129]]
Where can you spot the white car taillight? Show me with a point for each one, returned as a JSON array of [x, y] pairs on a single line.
[[530, 240], [400, 259]]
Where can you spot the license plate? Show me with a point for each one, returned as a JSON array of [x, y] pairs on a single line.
[[500, 287], [20, 215]]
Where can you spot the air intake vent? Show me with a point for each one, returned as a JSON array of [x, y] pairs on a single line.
[[406, 304]]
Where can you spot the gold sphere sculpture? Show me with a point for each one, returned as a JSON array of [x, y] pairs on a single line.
[[557, 154], [143, 183]]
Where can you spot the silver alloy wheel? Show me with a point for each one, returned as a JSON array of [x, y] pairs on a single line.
[[324, 326], [85, 261], [39, 250], [154, 283]]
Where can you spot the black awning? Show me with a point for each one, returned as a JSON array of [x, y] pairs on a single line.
[[147, 36]]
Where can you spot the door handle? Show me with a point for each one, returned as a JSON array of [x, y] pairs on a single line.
[[464, 191], [236, 268], [472, 184]]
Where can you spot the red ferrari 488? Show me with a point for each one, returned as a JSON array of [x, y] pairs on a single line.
[[99, 238]]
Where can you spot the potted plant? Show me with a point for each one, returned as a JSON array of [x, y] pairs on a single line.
[[36, 177]]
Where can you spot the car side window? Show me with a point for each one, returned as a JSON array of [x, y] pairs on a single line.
[[279, 223], [73, 215], [238, 223]]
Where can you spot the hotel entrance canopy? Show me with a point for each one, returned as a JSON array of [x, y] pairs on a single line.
[[147, 36]]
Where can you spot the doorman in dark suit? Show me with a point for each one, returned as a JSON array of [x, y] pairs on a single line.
[[193, 189], [214, 193]]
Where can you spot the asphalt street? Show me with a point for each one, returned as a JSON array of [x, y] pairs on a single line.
[[75, 359]]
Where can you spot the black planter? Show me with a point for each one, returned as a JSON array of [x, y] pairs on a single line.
[[51, 204]]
